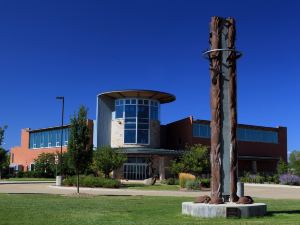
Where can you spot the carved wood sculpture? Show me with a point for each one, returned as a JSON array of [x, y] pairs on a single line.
[[219, 148]]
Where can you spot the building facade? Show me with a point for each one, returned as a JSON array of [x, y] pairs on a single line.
[[130, 120], [35, 142], [259, 148]]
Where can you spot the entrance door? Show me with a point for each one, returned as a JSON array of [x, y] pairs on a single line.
[[135, 171]]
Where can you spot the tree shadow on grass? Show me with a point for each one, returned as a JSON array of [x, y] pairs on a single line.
[[272, 213]]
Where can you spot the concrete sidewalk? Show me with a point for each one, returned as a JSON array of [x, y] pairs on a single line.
[[26, 182], [261, 191]]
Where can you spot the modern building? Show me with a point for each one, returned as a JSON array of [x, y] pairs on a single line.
[[37, 141], [259, 148], [130, 120]]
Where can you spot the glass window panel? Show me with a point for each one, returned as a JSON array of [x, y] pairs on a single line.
[[195, 130], [46, 138], [143, 111], [146, 102], [130, 111], [53, 138], [130, 120], [119, 111], [130, 126], [142, 137], [140, 101], [30, 140], [129, 136], [38, 140], [154, 113], [133, 101], [143, 120], [143, 126], [127, 101]]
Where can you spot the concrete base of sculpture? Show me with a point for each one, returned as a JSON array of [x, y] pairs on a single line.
[[226, 210]]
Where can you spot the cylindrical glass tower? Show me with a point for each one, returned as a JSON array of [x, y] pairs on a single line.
[[130, 118]]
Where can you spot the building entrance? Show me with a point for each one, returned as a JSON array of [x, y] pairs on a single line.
[[136, 171]]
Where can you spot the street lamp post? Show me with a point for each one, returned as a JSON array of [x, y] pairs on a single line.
[[59, 181]]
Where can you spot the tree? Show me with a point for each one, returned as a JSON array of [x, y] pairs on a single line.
[[44, 165], [80, 150], [195, 160], [3, 153], [295, 162], [3, 160], [282, 167], [107, 159], [2, 130]]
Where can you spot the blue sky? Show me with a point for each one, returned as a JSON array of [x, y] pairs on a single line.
[[81, 48]]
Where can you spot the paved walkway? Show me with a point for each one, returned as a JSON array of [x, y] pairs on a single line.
[[254, 190]]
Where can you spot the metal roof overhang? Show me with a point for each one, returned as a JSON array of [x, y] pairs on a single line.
[[162, 97], [246, 157]]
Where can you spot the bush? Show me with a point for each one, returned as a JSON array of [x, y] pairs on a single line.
[[184, 177], [20, 174], [171, 181], [252, 178], [91, 181], [289, 179], [194, 160], [205, 182], [193, 184]]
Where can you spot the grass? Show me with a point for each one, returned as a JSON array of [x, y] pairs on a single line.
[[28, 179], [38, 209], [156, 187]]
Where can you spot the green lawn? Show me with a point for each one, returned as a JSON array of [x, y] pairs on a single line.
[[53, 209], [29, 179], [156, 187]]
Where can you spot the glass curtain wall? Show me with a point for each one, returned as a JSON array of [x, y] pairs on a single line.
[[243, 134], [48, 138], [137, 114]]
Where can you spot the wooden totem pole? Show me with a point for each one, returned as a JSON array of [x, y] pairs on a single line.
[[222, 56]]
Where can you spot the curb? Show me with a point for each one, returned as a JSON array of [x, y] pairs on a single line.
[[26, 182]]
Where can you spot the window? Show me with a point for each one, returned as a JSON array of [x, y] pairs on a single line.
[[48, 138], [201, 130], [137, 114], [243, 134], [129, 136], [119, 109], [252, 135]]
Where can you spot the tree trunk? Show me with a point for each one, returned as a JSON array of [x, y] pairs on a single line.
[[0, 174], [77, 182]]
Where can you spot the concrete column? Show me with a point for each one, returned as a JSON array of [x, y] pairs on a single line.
[[254, 166], [161, 168]]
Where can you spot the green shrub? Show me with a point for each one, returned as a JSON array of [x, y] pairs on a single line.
[[252, 178], [205, 182], [193, 185], [172, 181], [91, 181], [20, 174]]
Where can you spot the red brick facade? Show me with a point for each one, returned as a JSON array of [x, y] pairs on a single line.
[[23, 156], [259, 156]]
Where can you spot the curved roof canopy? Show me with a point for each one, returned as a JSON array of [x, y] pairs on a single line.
[[162, 97]]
